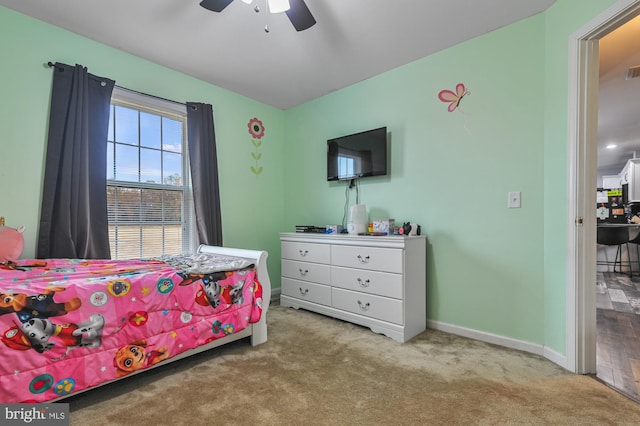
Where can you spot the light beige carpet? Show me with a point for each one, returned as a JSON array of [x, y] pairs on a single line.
[[315, 370]]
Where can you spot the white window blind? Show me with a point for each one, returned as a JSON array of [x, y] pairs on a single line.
[[149, 202]]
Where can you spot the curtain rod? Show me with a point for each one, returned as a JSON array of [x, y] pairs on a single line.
[[51, 64]]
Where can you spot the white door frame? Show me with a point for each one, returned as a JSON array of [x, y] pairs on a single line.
[[581, 181]]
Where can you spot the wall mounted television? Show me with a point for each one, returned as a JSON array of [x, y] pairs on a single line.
[[357, 155]]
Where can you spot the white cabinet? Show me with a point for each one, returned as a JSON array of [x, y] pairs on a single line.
[[630, 175], [375, 281]]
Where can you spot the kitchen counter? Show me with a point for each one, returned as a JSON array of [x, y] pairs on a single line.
[[634, 228]]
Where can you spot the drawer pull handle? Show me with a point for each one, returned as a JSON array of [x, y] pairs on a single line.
[[303, 273], [303, 253], [363, 283], [304, 292], [363, 259], [364, 306]]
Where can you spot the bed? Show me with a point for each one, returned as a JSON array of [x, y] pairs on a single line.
[[71, 325]]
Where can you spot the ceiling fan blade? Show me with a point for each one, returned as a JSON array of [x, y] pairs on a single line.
[[215, 5], [300, 15]]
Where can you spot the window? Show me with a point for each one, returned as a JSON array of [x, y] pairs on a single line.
[[346, 165], [149, 199]]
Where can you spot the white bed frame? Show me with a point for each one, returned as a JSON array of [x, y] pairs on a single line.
[[257, 331]]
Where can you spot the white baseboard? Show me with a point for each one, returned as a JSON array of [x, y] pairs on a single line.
[[556, 357], [497, 339]]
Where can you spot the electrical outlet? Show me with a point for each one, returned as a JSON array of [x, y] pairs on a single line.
[[514, 200]]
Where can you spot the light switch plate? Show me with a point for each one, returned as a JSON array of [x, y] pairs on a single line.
[[514, 200]]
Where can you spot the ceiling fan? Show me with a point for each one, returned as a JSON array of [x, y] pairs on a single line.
[[299, 14]]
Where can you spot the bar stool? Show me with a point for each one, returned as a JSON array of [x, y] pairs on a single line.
[[636, 241], [615, 236]]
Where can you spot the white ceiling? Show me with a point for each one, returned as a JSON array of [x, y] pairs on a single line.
[[352, 40]]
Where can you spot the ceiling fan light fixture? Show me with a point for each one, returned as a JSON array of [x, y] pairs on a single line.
[[278, 6], [633, 72]]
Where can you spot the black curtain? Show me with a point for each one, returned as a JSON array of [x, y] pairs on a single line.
[[73, 218], [204, 172]]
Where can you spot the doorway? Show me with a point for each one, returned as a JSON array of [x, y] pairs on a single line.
[[618, 293], [582, 163]]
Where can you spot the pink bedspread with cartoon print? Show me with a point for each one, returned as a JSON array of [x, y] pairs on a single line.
[[68, 325]]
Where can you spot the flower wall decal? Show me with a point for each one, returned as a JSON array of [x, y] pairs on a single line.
[[256, 130]]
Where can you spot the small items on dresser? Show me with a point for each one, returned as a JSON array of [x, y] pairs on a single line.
[[311, 228], [357, 223], [384, 226], [410, 229], [334, 229]]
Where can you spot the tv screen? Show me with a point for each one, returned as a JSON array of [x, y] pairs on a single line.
[[358, 155]]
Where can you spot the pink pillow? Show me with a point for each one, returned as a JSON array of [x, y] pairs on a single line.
[[11, 243]]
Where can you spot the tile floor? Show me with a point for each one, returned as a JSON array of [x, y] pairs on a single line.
[[618, 332]]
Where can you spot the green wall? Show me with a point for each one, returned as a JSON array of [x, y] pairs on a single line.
[[564, 18], [251, 205], [450, 172], [490, 268]]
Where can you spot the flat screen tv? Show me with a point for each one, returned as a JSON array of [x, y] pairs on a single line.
[[358, 155]]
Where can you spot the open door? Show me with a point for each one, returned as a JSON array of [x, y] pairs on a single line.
[[582, 174]]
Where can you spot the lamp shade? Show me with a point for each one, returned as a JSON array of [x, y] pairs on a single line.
[[357, 223]]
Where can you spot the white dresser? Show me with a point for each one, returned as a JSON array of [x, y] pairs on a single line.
[[375, 281]]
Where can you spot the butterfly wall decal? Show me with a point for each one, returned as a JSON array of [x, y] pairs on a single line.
[[453, 98]]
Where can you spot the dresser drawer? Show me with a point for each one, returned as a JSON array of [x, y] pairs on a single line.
[[372, 258], [378, 307], [306, 271], [373, 282], [316, 293], [306, 252]]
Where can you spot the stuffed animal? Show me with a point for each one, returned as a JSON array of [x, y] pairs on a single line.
[[11, 242], [405, 229]]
